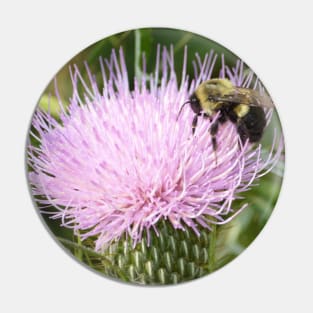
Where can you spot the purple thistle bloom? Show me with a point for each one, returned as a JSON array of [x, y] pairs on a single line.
[[120, 161]]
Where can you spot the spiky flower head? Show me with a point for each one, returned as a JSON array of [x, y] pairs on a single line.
[[118, 160]]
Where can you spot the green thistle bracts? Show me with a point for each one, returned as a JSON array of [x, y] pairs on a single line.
[[174, 256]]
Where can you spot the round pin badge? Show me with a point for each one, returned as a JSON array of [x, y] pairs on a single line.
[[155, 156]]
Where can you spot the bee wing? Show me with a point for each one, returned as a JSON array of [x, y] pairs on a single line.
[[246, 96], [255, 97]]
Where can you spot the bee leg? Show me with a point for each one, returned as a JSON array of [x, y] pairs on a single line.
[[242, 131], [213, 132], [194, 123]]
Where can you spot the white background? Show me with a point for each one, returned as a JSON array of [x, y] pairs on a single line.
[[275, 272]]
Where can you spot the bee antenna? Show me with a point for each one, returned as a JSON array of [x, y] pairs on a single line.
[[181, 108]]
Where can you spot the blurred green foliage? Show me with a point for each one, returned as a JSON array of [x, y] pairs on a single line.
[[134, 43], [230, 239]]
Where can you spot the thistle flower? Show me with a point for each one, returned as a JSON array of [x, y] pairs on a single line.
[[119, 161]]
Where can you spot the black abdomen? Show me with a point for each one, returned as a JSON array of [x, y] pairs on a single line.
[[251, 125]]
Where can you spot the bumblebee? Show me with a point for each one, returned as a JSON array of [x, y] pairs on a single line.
[[242, 106]]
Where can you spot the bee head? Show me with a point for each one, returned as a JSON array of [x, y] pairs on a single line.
[[195, 104]]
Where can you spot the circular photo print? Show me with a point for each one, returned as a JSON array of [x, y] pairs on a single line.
[[155, 156]]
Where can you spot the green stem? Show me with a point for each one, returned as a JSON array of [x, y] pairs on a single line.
[[137, 54], [79, 252], [212, 247], [182, 42]]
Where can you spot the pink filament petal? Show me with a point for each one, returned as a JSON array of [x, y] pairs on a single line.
[[120, 162]]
